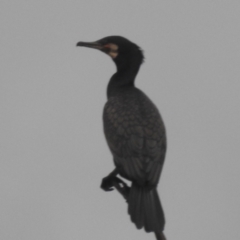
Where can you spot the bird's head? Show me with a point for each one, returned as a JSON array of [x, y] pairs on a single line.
[[120, 49]]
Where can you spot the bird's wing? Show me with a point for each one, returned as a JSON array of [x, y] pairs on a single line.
[[137, 141]]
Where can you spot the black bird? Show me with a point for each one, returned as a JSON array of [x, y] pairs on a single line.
[[135, 134]]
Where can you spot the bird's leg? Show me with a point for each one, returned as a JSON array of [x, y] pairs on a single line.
[[122, 187], [112, 181]]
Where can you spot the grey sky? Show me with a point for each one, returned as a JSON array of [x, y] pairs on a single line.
[[53, 153]]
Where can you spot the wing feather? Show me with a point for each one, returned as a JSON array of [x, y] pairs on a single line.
[[136, 136]]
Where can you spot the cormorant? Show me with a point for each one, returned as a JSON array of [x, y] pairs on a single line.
[[135, 134]]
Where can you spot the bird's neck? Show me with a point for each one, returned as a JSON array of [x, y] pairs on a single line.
[[123, 79]]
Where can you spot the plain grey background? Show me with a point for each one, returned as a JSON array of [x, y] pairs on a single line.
[[53, 154]]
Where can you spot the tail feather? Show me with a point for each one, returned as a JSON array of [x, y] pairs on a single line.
[[145, 210], [160, 236]]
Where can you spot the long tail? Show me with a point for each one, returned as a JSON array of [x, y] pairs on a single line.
[[160, 236], [146, 211]]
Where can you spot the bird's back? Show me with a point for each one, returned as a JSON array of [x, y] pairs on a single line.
[[136, 136]]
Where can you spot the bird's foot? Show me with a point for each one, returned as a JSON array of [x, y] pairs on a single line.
[[111, 181], [107, 183]]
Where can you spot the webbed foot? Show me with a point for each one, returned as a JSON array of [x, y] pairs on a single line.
[[107, 183]]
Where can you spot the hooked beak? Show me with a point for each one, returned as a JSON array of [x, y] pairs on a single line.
[[95, 45]]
